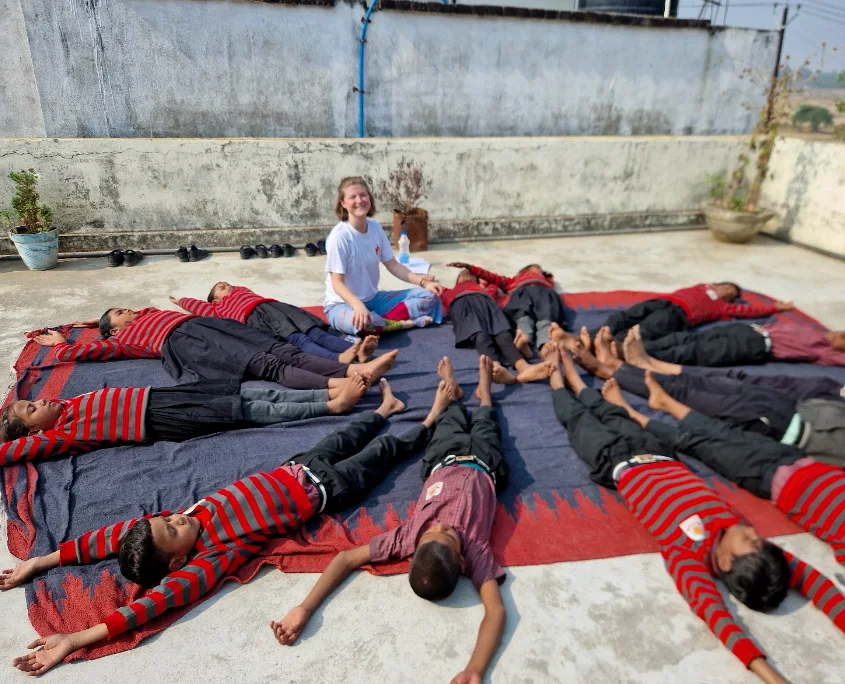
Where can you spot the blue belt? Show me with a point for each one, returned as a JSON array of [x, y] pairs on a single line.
[[468, 460]]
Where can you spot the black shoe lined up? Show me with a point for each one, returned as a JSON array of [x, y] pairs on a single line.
[[311, 249], [261, 251], [192, 253], [120, 257]]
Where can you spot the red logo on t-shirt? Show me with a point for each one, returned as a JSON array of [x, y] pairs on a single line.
[[378, 251]]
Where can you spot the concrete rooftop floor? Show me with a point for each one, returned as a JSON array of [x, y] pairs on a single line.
[[618, 620]]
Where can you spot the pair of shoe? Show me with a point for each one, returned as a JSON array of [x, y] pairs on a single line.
[[313, 250], [263, 252], [124, 257], [191, 254]]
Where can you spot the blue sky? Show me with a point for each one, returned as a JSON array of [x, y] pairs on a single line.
[[815, 21]]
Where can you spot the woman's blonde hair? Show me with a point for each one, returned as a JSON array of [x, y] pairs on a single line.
[[341, 213]]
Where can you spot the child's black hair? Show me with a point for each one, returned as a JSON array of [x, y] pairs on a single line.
[[139, 559], [733, 285], [210, 297], [105, 325], [466, 276], [434, 571], [761, 579], [11, 427], [525, 268]]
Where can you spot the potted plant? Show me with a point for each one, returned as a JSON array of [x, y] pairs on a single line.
[[404, 188], [30, 224], [734, 213]]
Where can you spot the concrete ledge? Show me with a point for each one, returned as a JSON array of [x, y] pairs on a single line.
[[439, 231]]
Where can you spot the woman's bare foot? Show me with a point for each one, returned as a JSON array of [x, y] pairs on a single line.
[[602, 345], [534, 372], [658, 398], [502, 375], [584, 336], [635, 353], [485, 379], [374, 369], [447, 374], [367, 348], [351, 354], [442, 398], [612, 393], [419, 322], [522, 343], [390, 405], [349, 395]]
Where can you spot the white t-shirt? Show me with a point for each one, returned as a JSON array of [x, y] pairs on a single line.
[[357, 256]]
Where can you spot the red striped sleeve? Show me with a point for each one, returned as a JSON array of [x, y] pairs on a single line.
[[198, 307]]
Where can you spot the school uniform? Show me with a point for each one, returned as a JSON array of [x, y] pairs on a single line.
[[530, 300], [285, 322], [685, 516], [680, 310], [193, 348]]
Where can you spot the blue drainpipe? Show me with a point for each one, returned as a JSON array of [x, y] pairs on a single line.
[[360, 88]]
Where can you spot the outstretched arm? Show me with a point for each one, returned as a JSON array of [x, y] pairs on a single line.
[[288, 629], [53, 649], [761, 667], [25, 571], [500, 281], [195, 306], [751, 311], [489, 635]]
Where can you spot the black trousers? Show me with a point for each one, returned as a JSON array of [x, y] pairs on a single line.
[[797, 387], [457, 433], [292, 367], [352, 460], [735, 344], [499, 348], [749, 406], [656, 318], [176, 414], [602, 434], [747, 459]]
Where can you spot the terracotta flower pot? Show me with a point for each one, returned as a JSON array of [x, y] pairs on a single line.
[[415, 223], [728, 225]]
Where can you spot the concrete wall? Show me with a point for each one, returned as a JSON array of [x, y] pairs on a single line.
[[806, 185], [162, 193], [20, 107], [218, 68]]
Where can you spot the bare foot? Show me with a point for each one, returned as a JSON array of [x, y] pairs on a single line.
[[658, 399], [593, 366], [613, 394], [635, 353], [485, 379], [390, 405], [602, 345], [535, 372], [550, 353], [367, 348], [374, 369], [447, 374], [584, 336], [351, 354], [350, 394], [570, 373], [614, 349], [502, 375], [521, 342], [555, 331], [442, 398]]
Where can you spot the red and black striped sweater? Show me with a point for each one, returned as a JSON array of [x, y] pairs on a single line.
[[701, 305], [510, 285], [143, 338], [237, 305], [687, 518], [107, 416], [235, 523]]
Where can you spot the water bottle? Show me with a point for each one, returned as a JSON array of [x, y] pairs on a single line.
[[404, 248]]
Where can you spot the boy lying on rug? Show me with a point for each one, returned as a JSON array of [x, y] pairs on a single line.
[[37, 430], [805, 411], [193, 348], [531, 302], [285, 322], [700, 536], [449, 533], [181, 556], [479, 322]]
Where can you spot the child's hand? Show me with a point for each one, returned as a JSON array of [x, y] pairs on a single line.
[[288, 629], [54, 649], [466, 677], [93, 323], [14, 577], [784, 306], [174, 300], [458, 264], [50, 339]]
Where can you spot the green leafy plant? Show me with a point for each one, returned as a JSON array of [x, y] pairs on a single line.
[[405, 186], [813, 115], [718, 183], [839, 131], [31, 216]]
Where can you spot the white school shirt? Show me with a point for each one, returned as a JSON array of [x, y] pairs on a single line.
[[357, 256]]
